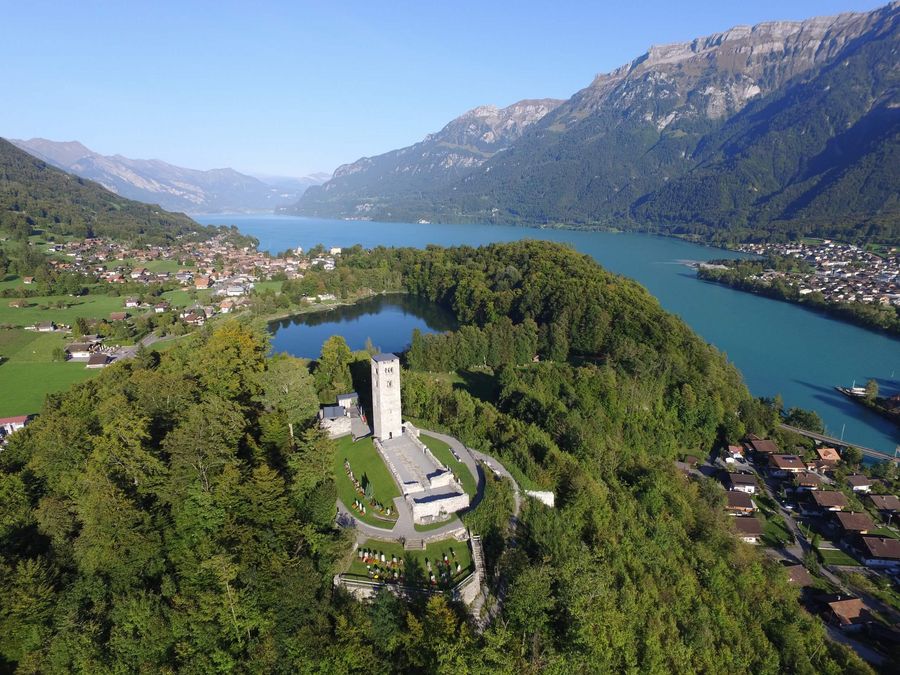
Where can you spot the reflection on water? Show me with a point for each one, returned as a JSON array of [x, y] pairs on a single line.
[[387, 320]]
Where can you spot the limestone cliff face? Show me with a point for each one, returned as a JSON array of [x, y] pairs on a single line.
[[464, 143], [772, 124], [715, 76]]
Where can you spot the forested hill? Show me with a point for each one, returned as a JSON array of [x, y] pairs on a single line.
[[177, 512], [34, 194], [773, 131]]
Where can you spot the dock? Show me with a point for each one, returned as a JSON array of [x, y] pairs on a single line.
[[867, 452]]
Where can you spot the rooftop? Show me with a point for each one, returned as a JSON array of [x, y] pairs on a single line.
[[378, 358], [882, 547], [855, 522]]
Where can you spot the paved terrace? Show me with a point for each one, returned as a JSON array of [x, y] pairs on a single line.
[[409, 464]]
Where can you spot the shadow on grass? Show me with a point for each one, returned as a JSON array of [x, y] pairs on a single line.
[[479, 384]]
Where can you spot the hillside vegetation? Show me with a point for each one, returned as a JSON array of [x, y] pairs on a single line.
[[176, 513], [35, 195]]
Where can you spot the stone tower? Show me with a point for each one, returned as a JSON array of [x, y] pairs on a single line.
[[386, 416]]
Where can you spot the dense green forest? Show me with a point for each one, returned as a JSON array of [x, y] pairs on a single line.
[[35, 195], [176, 513], [739, 275]]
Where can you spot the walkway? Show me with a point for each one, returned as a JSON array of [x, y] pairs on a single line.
[[822, 438]]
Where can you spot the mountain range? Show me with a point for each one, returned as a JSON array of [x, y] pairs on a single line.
[[172, 187], [778, 130], [35, 195]]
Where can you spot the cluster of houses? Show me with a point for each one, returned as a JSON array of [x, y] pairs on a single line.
[[216, 263], [841, 272], [90, 350], [814, 488]]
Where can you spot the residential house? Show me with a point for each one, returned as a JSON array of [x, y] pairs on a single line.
[[742, 482], [763, 447], [132, 302], [738, 503], [880, 552], [806, 480], [854, 523], [733, 453], [80, 351], [138, 272], [194, 319], [860, 483], [161, 307], [798, 575], [118, 316], [888, 505], [27, 280], [10, 424], [45, 327], [201, 283], [849, 614], [97, 360], [828, 455], [829, 500], [784, 465], [749, 529]]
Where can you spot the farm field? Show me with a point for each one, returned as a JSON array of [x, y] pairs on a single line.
[[42, 309]]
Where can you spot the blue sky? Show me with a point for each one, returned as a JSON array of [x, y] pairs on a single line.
[[293, 87]]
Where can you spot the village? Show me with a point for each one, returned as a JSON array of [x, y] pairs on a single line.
[[815, 511], [840, 272], [97, 301]]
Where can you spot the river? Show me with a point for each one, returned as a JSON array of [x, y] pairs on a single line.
[[780, 348]]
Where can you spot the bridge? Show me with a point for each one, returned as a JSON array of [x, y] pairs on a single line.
[[822, 438]]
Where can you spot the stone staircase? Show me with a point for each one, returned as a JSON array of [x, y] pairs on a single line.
[[414, 544]]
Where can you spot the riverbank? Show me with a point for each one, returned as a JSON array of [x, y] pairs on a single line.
[[879, 405], [885, 320]]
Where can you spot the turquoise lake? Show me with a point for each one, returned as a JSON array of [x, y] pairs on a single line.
[[780, 348]]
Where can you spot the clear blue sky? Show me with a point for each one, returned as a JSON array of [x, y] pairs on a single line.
[[293, 87]]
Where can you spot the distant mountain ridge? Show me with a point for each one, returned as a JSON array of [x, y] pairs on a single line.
[[172, 187], [36, 195], [780, 129]]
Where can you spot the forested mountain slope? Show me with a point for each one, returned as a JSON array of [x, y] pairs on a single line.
[[34, 194], [164, 517], [770, 131]]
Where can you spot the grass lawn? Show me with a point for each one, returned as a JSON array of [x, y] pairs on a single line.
[[364, 462], [442, 451], [41, 309], [456, 552], [775, 532], [260, 286], [10, 281], [181, 298], [23, 386], [836, 557], [434, 526], [885, 532]]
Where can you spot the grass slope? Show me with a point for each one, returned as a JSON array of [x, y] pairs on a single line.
[[364, 461]]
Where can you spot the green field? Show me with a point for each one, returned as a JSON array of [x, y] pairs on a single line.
[[260, 286], [775, 532], [23, 386], [43, 309], [885, 532], [442, 451], [836, 557], [182, 298], [364, 461], [10, 281], [456, 551]]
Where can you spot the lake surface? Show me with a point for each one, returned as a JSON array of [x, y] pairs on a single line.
[[780, 348], [388, 320]]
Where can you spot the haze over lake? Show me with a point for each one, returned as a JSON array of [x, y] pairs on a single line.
[[780, 348]]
